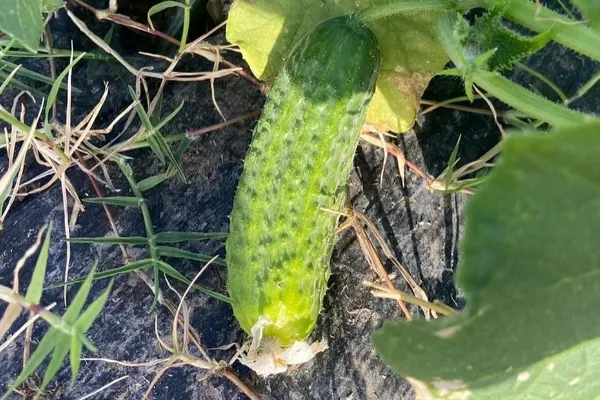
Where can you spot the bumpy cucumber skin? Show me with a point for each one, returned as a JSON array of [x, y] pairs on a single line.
[[283, 221]]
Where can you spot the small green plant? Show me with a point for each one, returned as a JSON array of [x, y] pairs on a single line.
[[67, 332], [157, 242]]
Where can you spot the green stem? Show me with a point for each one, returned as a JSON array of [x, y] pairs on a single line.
[[544, 79], [568, 32], [526, 101], [9, 296], [401, 6], [186, 26], [147, 224], [584, 89], [502, 88]]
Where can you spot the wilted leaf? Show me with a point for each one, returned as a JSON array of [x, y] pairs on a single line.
[[266, 31], [11, 313], [7, 180], [56, 86], [530, 275]]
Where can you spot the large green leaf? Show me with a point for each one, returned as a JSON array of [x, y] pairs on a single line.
[[530, 273], [22, 19], [266, 30]]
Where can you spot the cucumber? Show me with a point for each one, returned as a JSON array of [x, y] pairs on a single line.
[[294, 180]]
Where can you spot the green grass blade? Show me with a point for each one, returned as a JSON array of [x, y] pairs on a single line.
[[35, 76], [61, 350], [78, 302], [56, 53], [161, 7], [155, 117], [157, 143], [6, 81], [17, 84], [178, 237], [452, 163], [156, 286], [133, 240], [183, 146], [172, 272], [167, 251], [75, 359], [167, 150], [87, 318], [150, 182], [132, 266], [89, 345], [168, 118], [36, 286], [156, 148], [147, 123], [123, 201], [41, 352]]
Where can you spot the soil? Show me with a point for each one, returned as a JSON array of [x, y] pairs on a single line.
[[422, 228]]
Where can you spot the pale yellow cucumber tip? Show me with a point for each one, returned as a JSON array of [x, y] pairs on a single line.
[[266, 356]]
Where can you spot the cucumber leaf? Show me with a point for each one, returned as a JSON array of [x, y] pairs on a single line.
[[49, 6], [266, 30], [530, 274], [490, 34], [23, 21]]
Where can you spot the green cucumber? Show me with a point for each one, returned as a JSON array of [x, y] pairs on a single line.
[[294, 180]]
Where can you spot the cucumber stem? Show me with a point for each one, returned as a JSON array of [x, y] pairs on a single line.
[[401, 6], [567, 31], [526, 101], [516, 96]]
